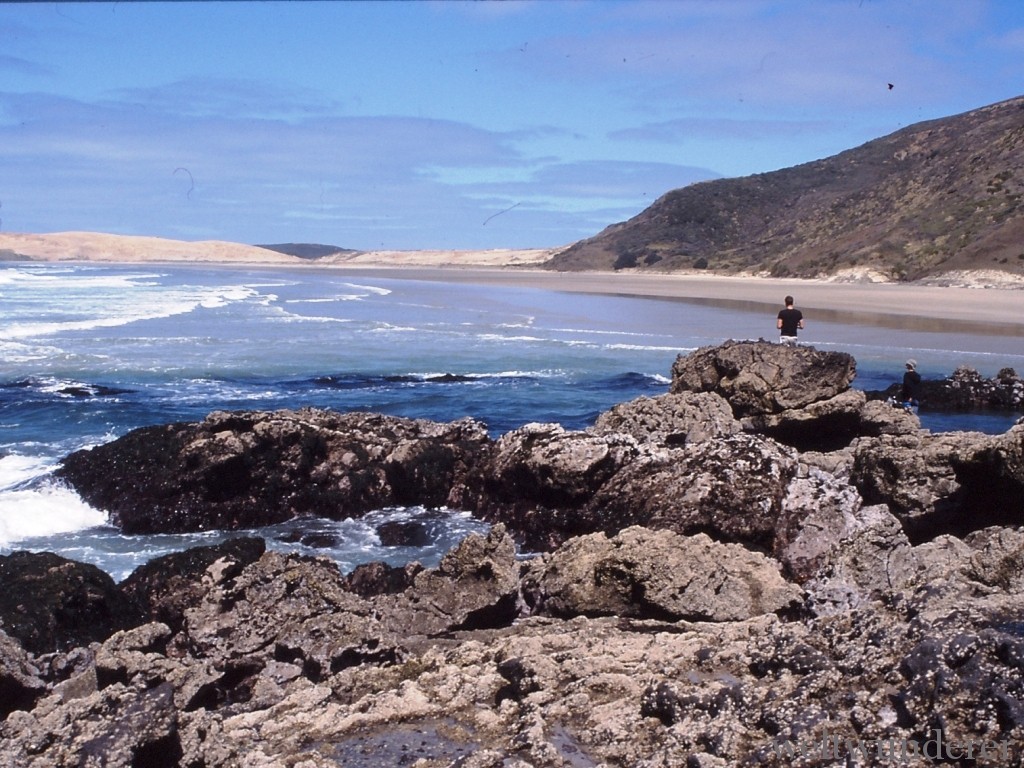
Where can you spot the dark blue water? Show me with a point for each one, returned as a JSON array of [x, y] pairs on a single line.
[[89, 352]]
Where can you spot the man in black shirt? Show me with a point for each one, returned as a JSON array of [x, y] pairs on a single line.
[[788, 321]]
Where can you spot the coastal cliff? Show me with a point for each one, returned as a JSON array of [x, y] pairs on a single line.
[[759, 567]]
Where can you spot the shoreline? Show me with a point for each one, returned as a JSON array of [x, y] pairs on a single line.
[[898, 305], [982, 308]]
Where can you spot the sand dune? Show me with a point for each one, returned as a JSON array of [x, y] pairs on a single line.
[[93, 246]]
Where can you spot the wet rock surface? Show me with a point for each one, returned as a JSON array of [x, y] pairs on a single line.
[[248, 469], [714, 588], [967, 390]]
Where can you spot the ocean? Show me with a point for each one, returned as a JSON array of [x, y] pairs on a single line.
[[91, 351]]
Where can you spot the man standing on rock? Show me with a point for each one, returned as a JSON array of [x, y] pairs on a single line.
[[788, 321]]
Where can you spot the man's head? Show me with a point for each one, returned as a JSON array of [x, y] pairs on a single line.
[[789, 301], [911, 365]]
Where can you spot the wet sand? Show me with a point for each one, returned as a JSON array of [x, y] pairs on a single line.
[[897, 305]]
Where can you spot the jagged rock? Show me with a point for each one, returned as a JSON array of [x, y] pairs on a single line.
[[21, 683], [537, 479], [758, 377], [817, 513], [671, 419], [248, 469], [967, 390], [953, 482], [869, 557], [656, 574], [997, 558], [730, 488], [280, 608], [166, 586], [50, 603], [476, 585]]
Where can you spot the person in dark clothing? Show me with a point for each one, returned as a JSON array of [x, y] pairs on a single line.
[[788, 321], [910, 391]]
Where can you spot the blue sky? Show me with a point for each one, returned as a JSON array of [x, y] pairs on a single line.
[[458, 124]]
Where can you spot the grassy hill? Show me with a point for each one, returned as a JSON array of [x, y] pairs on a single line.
[[939, 196]]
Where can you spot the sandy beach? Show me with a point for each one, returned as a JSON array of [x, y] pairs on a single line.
[[999, 310], [898, 305]]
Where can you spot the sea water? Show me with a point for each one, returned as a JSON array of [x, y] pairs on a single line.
[[89, 352]]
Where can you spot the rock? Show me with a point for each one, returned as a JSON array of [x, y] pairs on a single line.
[[967, 390], [644, 574], [21, 683], [249, 469], [881, 418], [537, 479], [796, 395], [758, 377], [50, 603], [403, 533], [671, 419], [377, 578], [279, 608], [869, 557], [475, 586], [730, 488], [954, 482], [166, 586]]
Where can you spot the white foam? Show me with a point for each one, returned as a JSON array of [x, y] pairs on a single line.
[[44, 511], [16, 469], [370, 288]]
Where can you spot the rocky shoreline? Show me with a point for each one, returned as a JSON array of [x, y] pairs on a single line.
[[760, 567]]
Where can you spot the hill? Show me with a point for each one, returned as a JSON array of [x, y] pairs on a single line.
[[937, 197], [311, 251]]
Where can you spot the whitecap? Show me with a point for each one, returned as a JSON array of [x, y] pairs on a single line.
[[44, 511]]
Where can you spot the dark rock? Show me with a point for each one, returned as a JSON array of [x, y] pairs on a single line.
[[21, 683], [249, 469], [966, 390], [319, 540], [49, 603], [167, 586], [377, 578], [403, 533]]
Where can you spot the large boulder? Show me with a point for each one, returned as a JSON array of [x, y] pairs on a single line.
[[731, 489], [671, 419], [248, 469], [954, 482], [758, 377], [797, 395], [547, 485], [641, 573]]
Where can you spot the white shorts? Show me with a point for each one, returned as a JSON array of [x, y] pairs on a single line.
[[787, 340]]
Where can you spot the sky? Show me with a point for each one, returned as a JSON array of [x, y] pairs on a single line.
[[455, 124]]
